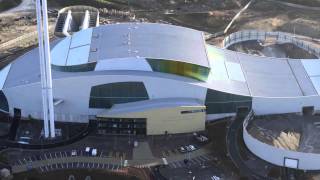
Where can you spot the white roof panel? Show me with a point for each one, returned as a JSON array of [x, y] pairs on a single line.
[[81, 38], [59, 53], [312, 67], [218, 70], [78, 55], [139, 64], [235, 72], [3, 75], [316, 83]]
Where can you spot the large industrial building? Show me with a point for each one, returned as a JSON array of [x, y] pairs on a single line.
[[161, 78]]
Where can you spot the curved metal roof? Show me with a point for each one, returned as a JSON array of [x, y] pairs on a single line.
[[156, 41]]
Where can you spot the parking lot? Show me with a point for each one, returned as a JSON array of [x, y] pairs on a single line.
[[201, 167], [51, 161], [201, 160], [166, 146], [79, 165]]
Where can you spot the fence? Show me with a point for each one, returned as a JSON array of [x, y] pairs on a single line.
[[279, 37], [277, 156]]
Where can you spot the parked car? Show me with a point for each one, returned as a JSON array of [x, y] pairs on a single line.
[[87, 149], [188, 148], [182, 149], [94, 152], [202, 138], [73, 153], [192, 147]]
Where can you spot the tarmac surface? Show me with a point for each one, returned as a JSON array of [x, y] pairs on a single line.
[[26, 5]]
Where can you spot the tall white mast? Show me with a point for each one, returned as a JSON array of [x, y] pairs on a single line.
[[42, 69], [45, 66]]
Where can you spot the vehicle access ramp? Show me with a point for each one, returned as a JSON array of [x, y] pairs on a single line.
[[75, 18]]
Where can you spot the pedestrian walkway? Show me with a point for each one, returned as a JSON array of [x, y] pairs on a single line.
[[143, 151]]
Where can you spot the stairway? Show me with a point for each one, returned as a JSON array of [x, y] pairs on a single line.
[[93, 20], [60, 22]]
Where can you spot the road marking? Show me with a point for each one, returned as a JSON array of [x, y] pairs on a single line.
[[206, 157], [202, 158], [197, 160], [193, 162]]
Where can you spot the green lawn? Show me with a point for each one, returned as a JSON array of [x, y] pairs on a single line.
[[7, 4]]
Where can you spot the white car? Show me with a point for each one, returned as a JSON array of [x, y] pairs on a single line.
[[87, 149], [192, 148], [73, 153], [94, 152], [182, 149]]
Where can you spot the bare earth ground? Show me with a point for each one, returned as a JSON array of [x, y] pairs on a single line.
[[269, 16]]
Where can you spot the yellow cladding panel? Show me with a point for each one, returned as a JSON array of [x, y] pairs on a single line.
[[169, 119]]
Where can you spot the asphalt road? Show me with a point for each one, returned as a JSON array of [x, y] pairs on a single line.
[[234, 131], [26, 5]]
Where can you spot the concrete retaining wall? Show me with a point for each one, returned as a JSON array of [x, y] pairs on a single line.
[[306, 161], [280, 37]]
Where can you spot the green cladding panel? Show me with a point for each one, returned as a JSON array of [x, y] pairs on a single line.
[[221, 102], [179, 68], [106, 95], [76, 68]]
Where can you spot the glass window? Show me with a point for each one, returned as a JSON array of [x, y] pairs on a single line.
[[179, 68], [76, 68], [106, 95], [221, 102]]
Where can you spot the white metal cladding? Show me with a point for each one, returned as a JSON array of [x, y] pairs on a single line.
[[221, 68], [277, 156], [81, 38], [75, 92], [218, 70], [235, 71], [138, 64], [78, 55], [158, 41], [73, 50], [312, 67], [280, 105], [3, 75], [316, 82], [60, 52]]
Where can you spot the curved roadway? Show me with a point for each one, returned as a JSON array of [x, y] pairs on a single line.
[[234, 150]]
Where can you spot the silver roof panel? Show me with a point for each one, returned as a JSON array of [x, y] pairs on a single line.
[[158, 41]]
